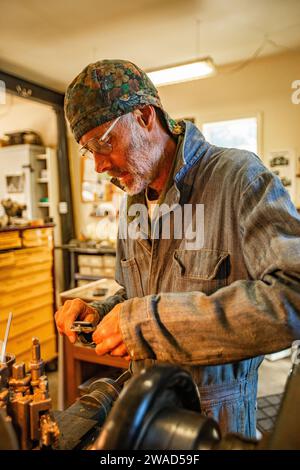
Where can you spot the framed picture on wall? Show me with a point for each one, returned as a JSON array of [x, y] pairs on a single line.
[[283, 164]]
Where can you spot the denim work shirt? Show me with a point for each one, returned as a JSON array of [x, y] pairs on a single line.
[[218, 308]]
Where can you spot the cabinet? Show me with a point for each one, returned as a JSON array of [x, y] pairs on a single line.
[[27, 290], [89, 264], [29, 176], [45, 193]]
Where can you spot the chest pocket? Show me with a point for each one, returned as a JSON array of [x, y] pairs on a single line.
[[132, 278], [200, 270]]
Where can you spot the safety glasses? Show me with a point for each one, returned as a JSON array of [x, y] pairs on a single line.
[[98, 144]]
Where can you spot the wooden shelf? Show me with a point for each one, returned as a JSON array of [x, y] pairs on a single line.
[[87, 277], [42, 180], [86, 250], [42, 157]]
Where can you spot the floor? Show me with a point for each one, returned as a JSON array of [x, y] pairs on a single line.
[[272, 376]]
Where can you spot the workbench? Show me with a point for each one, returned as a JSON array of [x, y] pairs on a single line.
[[77, 358], [77, 250]]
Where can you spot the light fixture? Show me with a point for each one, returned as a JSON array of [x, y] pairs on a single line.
[[183, 72]]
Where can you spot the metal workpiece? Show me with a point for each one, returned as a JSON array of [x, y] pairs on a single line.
[[84, 332], [20, 381], [25, 400], [36, 350], [37, 364], [18, 370], [18, 409], [43, 387], [36, 410], [49, 432], [3, 398], [10, 359], [102, 393], [5, 373], [81, 422]]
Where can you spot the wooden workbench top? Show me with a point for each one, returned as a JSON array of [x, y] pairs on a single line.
[[12, 228], [88, 292]]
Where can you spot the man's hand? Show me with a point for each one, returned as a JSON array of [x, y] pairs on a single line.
[[71, 311], [108, 335]]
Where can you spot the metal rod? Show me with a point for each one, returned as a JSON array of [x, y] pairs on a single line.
[[123, 377], [3, 351]]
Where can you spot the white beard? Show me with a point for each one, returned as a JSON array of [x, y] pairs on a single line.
[[142, 161]]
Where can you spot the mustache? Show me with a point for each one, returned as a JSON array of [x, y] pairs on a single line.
[[115, 173]]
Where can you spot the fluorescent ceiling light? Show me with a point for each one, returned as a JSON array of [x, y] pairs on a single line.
[[183, 72]]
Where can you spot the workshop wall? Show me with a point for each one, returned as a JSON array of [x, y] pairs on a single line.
[[262, 87], [81, 209], [20, 114]]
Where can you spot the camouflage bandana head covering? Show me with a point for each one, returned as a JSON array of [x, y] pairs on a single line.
[[108, 89]]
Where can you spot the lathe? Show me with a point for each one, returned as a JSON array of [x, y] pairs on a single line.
[[157, 409]]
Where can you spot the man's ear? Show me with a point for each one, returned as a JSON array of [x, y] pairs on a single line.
[[145, 116]]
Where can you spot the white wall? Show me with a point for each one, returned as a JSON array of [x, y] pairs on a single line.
[[261, 88], [82, 210], [21, 114]]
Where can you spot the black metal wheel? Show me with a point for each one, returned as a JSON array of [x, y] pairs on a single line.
[[158, 409]]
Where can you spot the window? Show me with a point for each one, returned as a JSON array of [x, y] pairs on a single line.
[[237, 133]]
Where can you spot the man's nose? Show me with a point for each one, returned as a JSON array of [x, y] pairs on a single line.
[[102, 163]]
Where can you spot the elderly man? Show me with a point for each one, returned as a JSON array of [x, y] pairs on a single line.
[[216, 307]]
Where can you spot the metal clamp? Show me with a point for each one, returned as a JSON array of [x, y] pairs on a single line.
[[84, 330]]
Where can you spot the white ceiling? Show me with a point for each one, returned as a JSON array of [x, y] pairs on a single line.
[[50, 42]]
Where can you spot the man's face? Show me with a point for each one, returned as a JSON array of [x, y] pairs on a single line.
[[135, 154]]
